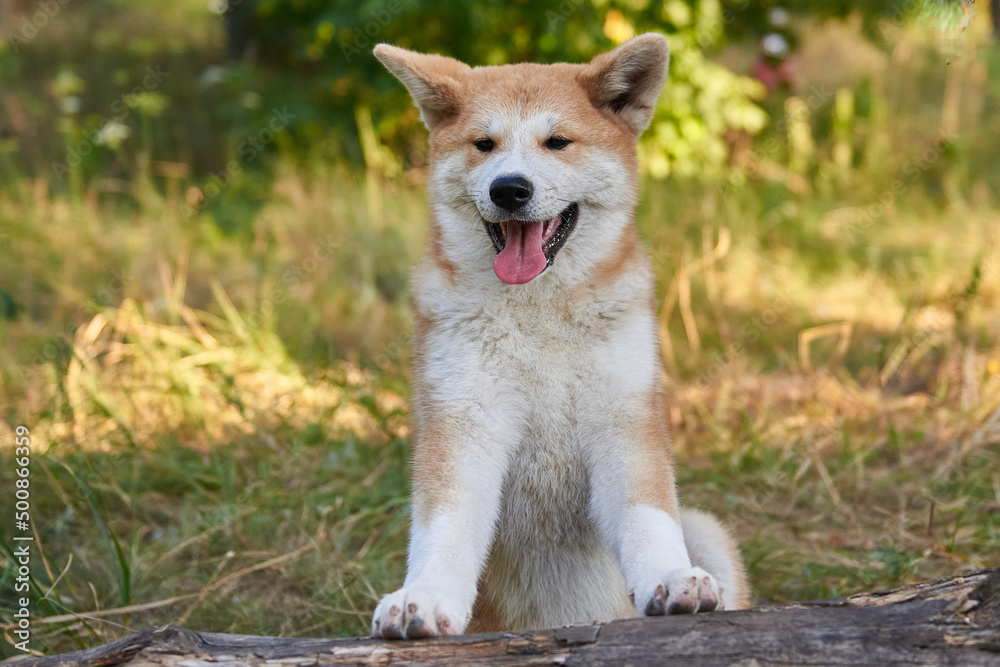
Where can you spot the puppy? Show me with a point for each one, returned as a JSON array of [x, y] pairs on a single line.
[[543, 481]]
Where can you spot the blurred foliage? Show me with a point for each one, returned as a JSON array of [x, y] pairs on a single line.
[[204, 315], [876, 15], [312, 59], [134, 84], [333, 41]]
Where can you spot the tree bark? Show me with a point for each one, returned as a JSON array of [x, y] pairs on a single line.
[[949, 622]]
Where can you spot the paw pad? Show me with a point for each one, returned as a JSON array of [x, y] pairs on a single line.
[[417, 629], [417, 613], [709, 600], [682, 591]]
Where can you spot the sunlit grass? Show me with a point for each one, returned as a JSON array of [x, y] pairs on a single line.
[[198, 461], [217, 389]]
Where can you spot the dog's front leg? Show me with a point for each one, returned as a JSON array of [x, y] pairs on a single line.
[[634, 503], [459, 463]]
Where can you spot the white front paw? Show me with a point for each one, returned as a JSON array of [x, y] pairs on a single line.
[[686, 590], [414, 613]]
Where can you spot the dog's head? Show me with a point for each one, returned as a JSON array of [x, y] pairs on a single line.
[[530, 161]]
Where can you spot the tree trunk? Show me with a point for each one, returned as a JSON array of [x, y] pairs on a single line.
[[949, 622]]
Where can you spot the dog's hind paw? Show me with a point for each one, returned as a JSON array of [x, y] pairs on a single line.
[[686, 590], [415, 613]]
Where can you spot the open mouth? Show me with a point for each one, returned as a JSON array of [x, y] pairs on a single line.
[[525, 248]]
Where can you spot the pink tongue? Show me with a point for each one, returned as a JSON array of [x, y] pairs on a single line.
[[522, 259]]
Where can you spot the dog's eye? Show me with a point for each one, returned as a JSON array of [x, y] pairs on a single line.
[[557, 143], [485, 145]]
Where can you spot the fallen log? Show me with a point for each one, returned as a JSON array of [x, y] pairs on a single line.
[[948, 622]]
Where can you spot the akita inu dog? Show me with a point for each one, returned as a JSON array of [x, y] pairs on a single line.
[[543, 482]]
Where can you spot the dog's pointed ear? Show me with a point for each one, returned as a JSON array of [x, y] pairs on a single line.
[[627, 80], [434, 81]]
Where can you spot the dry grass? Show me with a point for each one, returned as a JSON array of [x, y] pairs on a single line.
[[219, 419], [189, 469], [834, 488]]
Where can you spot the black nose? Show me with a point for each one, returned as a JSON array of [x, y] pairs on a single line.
[[510, 192]]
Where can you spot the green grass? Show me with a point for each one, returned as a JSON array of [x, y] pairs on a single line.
[[184, 437], [218, 402]]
